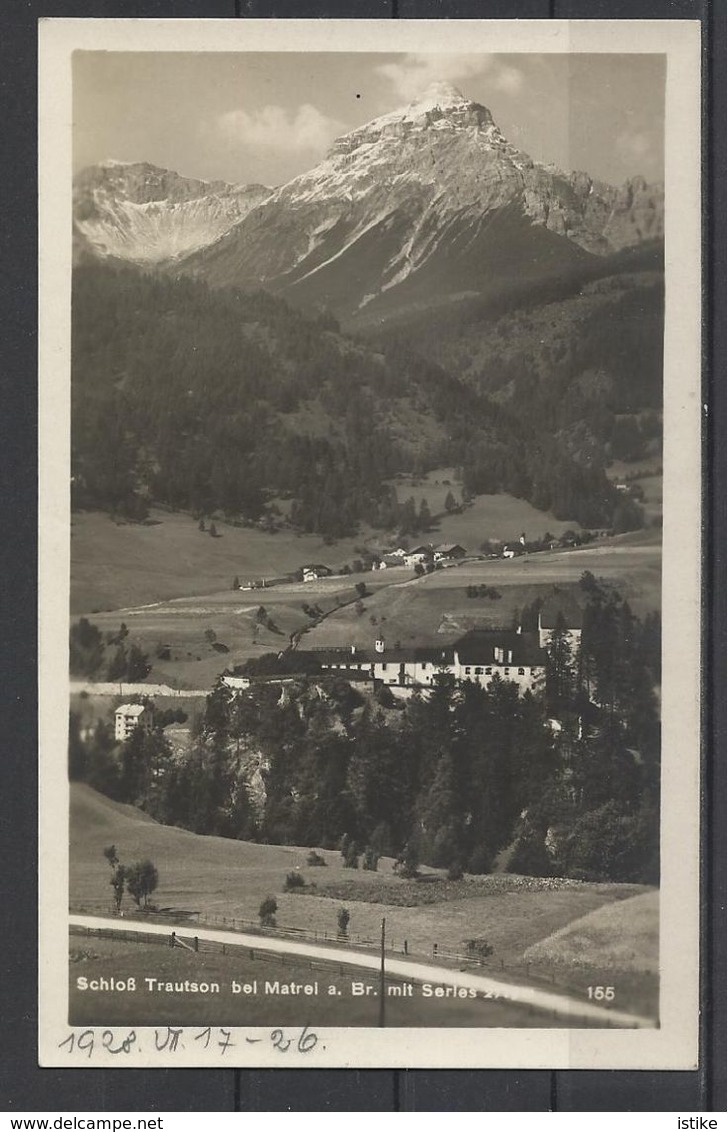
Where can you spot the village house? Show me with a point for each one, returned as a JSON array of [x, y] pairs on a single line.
[[449, 552], [418, 556], [314, 571], [388, 561], [514, 549], [128, 717]]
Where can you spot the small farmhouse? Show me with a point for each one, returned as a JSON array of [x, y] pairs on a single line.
[[418, 556], [314, 571], [128, 717], [388, 561], [449, 552]]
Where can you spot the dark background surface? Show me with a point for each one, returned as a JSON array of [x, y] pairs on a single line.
[[25, 1087]]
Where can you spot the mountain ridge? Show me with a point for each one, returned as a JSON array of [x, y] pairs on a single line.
[[427, 200], [145, 214]]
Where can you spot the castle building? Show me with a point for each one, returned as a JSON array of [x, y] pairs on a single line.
[[477, 657]]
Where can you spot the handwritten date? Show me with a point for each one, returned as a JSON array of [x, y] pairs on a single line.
[[171, 1039]]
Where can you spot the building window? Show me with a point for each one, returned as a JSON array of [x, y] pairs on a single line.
[[521, 671], [507, 671], [478, 671], [467, 671], [488, 671], [384, 668]]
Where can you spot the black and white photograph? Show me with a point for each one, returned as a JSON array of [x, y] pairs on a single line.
[[370, 568]]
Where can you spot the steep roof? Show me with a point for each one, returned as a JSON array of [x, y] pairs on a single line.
[[479, 645], [564, 605], [132, 710]]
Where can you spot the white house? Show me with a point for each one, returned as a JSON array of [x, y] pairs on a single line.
[[449, 552], [316, 570], [418, 556], [235, 683], [128, 717]]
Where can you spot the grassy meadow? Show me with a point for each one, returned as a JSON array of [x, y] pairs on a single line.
[[182, 625], [222, 878], [117, 565], [487, 517], [437, 608], [151, 576]]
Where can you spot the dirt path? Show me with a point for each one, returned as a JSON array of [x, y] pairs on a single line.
[[569, 1008], [106, 689]]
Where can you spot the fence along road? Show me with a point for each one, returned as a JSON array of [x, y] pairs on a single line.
[[537, 999]]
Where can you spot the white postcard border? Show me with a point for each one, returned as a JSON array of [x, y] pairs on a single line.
[[674, 1045]]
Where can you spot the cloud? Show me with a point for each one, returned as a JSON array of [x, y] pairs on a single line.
[[275, 128], [632, 143], [415, 72], [508, 79]]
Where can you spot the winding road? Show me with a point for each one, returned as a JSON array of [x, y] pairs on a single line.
[[571, 1009]]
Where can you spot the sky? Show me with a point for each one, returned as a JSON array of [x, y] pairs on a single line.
[[264, 118]]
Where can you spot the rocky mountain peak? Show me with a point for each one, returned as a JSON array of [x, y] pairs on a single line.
[[442, 95], [441, 108]]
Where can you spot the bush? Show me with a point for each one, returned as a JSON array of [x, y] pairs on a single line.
[[342, 920], [478, 947], [267, 912], [385, 697], [351, 856], [480, 860], [315, 860], [370, 862], [294, 880], [531, 857], [455, 871], [407, 864]]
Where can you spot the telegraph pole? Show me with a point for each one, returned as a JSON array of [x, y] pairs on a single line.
[[382, 987]]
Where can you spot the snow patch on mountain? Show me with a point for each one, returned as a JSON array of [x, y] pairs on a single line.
[[139, 212]]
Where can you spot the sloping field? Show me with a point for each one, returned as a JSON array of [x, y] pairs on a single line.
[[117, 565], [437, 608], [499, 516], [623, 935], [219, 877], [193, 658]]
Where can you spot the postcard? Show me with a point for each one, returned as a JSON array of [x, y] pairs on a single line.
[[370, 543]]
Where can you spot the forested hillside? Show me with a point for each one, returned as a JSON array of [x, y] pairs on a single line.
[[222, 400], [449, 780], [580, 359]]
